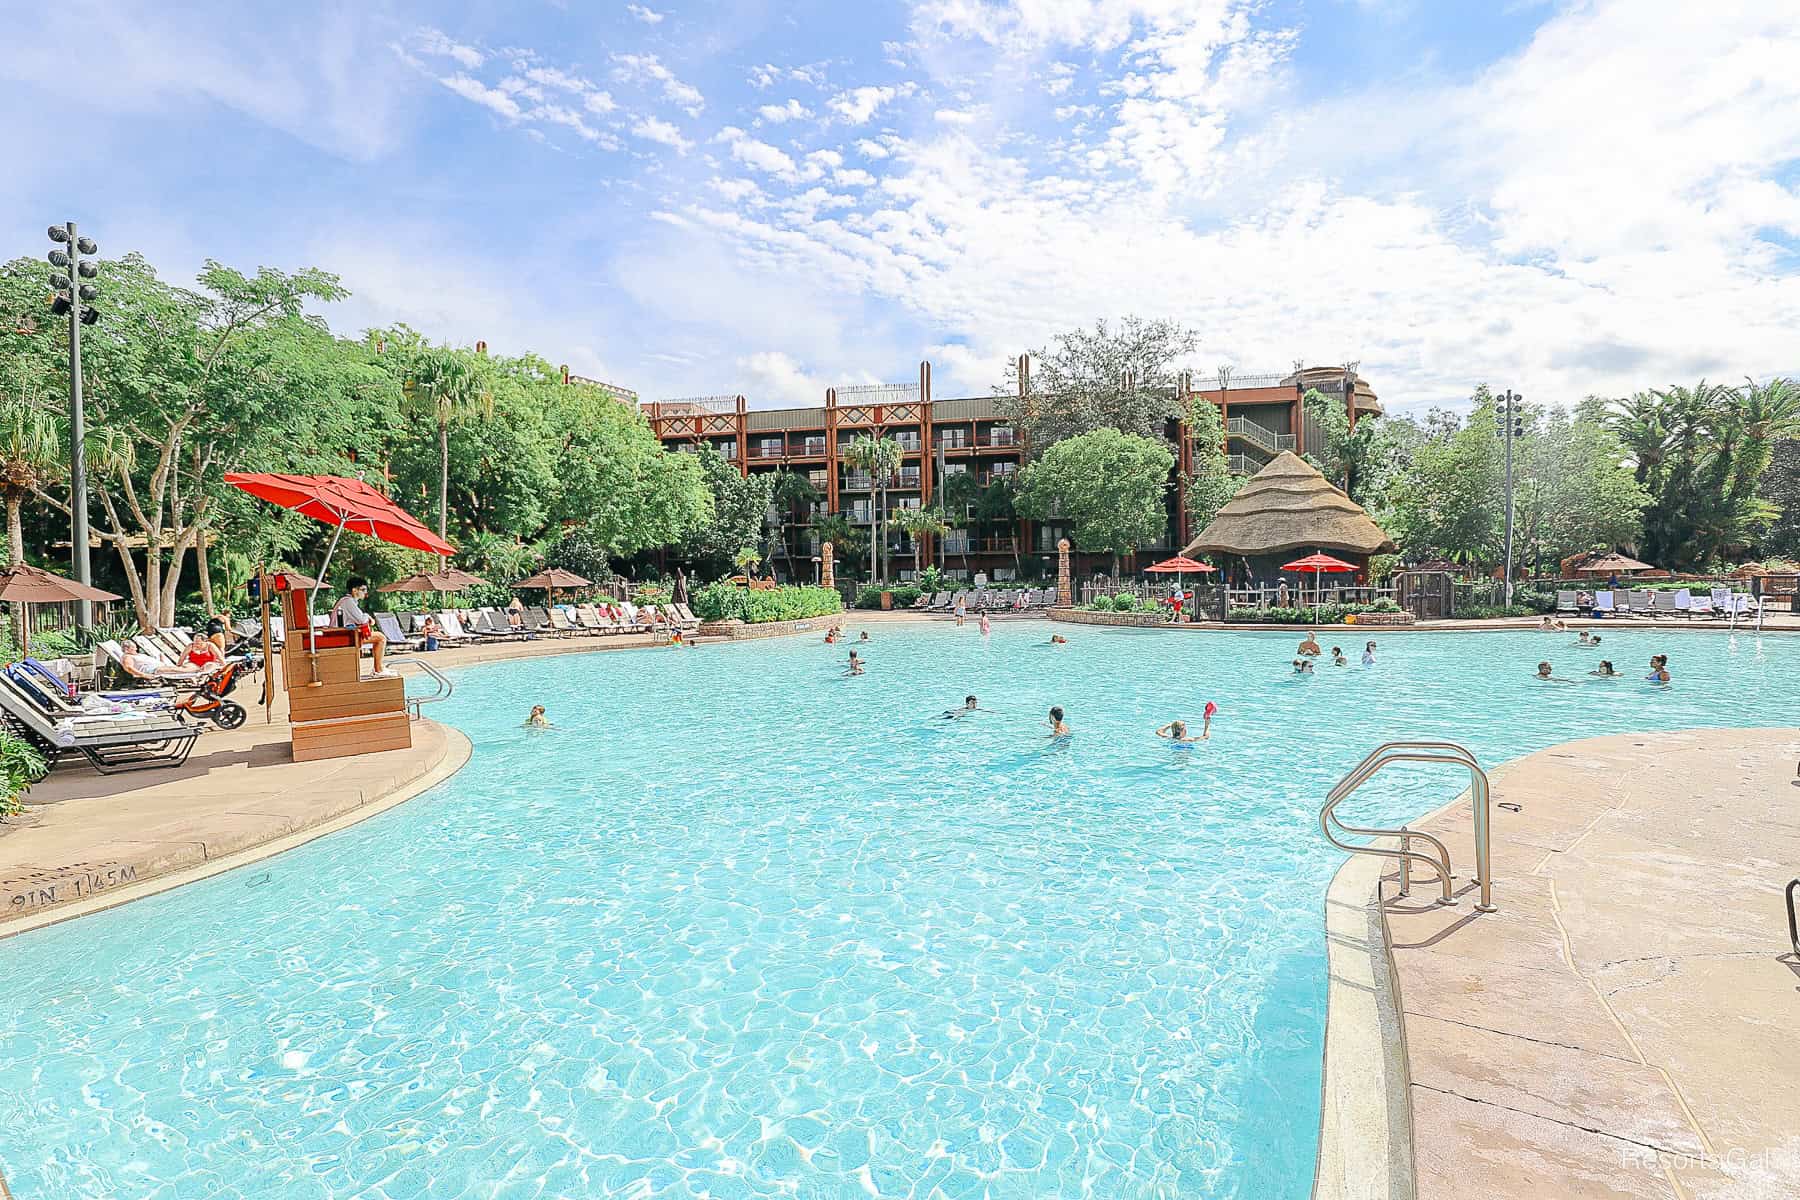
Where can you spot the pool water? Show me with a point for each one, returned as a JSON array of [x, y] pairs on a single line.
[[742, 926]]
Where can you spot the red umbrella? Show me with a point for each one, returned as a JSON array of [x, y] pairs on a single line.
[[1316, 565], [1176, 566], [347, 504]]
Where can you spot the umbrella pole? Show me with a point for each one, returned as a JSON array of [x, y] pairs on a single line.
[[268, 644], [329, 550]]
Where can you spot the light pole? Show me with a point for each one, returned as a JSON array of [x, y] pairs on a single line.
[[71, 299], [1508, 404]]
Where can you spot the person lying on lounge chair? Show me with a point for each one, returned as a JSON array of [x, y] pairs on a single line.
[[140, 665]]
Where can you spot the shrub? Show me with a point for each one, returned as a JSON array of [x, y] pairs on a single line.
[[868, 596], [932, 580], [1125, 602], [21, 764], [723, 600], [905, 595], [1328, 614]]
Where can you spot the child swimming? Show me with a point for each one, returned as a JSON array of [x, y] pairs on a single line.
[[1058, 727], [1337, 658], [537, 719]]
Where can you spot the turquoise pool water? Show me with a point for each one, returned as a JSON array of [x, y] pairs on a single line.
[[742, 926]]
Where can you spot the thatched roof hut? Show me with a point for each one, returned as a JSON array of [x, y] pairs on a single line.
[[1290, 506]]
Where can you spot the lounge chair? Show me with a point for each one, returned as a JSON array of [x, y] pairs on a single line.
[[1700, 606], [127, 740], [687, 614], [452, 630], [940, 602], [1720, 600], [1603, 605], [1565, 601], [398, 639], [1662, 604]]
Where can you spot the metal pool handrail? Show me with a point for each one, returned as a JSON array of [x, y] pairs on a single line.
[[444, 686], [1427, 752]]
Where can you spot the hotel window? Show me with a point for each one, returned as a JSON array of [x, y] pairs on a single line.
[[815, 446], [953, 439], [909, 440]]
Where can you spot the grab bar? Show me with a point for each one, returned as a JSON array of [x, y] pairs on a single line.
[[1793, 924], [444, 687], [1425, 752]]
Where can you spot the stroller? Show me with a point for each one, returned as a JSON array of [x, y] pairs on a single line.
[[207, 699]]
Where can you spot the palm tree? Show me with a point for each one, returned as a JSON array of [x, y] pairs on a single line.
[[448, 386], [745, 560], [880, 457], [960, 494], [836, 528], [919, 523], [792, 489], [31, 451]]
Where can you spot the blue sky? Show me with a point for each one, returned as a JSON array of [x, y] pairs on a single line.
[[696, 197]]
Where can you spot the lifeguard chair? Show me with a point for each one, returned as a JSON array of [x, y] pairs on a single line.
[[335, 711]]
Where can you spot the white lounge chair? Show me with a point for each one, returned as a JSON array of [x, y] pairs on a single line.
[[1603, 604], [1565, 601]]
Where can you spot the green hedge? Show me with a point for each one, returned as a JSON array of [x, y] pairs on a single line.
[[1328, 614], [869, 595], [724, 600]]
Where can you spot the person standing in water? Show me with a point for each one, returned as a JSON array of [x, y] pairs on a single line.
[[1369, 655], [962, 609], [1058, 726], [987, 626], [1175, 731]]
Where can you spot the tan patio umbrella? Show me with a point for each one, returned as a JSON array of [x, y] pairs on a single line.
[[447, 580], [1608, 564], [26, 584], [550, 579]]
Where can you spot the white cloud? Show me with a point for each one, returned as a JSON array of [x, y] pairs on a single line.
[[951, 116], [778, 114], [649, 68], [599, 102], [765, 76], [758, 155], [773, 377], [736, 190], [655, 130], [648, 16], [480, 93], [1483, 233], [436, 42], [871, 150], [858, 106], [852, 177]]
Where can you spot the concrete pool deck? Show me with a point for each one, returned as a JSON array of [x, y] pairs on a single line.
[[1627, 1026]]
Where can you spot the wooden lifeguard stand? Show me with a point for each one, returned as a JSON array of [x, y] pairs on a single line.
[[334, 710]]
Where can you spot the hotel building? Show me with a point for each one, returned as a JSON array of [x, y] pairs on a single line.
[[939, 439]]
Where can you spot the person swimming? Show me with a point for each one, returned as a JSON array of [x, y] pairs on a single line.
[[1605, 670], [1309, 646], [1369, 655], [1337, 657], [1584, 638], [856, 665], [1659, 669], [1058, 726], [1303, 666], [537, 719], [864, 637], [968, 706], [1057, 639], [1547, 674], [1175, 731]]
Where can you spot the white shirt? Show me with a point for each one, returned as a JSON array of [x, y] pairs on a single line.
[[349, 613]]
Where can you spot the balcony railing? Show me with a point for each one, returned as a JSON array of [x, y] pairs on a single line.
[[909, 442], [768, 451], [953, 441], [858, 482], [815, 448], [988, 477], [908, 477], [1239, 464], [998, 437]]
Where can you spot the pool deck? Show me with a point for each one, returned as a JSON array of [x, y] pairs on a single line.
[[1627, 1025], [89, 841]]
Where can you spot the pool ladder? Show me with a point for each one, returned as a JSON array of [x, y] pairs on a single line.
[[1439, 860], [444, 686]]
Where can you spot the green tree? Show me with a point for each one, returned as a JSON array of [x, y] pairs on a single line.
[[1209, 482], [880, 457], [847, 541], [1110, 484], [1450, 504], [1573, 491], [920, 523], [448, 386], [1121, 378], [1780, 489], [1329, 417], [792, 494], [739, 507]]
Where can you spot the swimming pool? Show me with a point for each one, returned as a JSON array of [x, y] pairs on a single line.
[[744, 927]]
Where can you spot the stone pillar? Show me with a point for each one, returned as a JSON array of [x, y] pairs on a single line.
[[827, 576], [1065, 592]]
